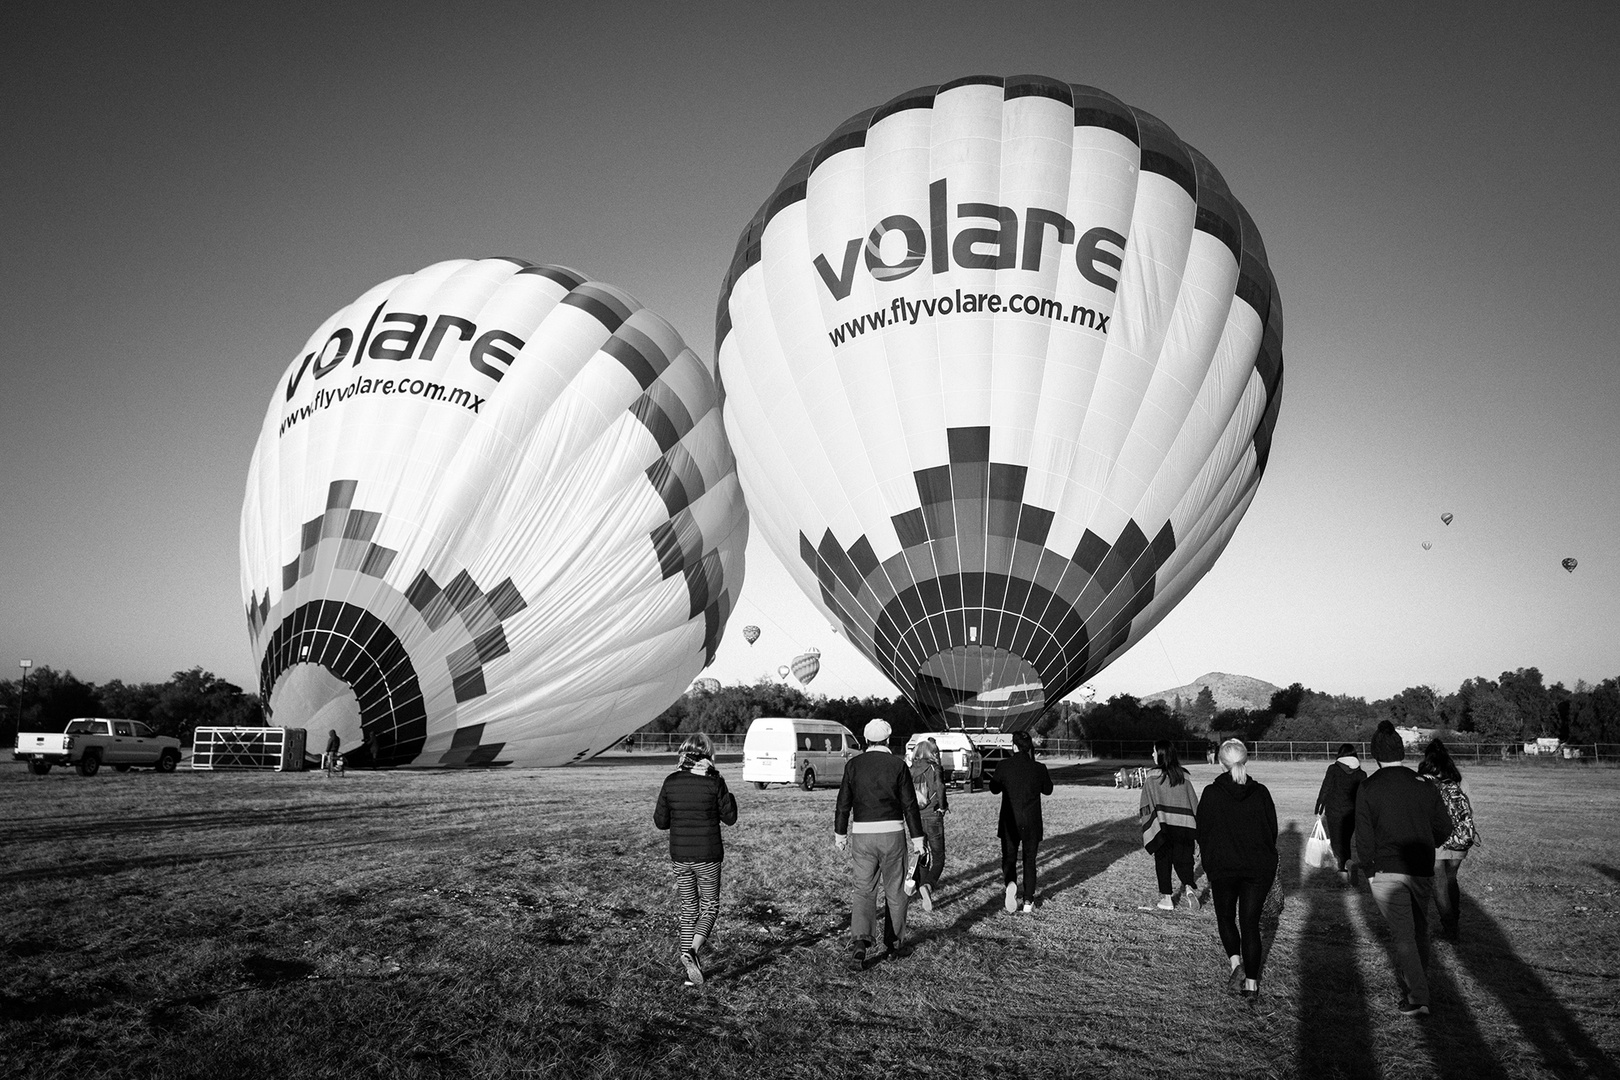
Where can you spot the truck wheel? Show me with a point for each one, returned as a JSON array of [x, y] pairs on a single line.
[[760, 784], [90, 764], [808, 782], [168, 761], [39, 768]]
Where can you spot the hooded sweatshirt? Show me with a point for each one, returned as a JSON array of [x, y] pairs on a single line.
[[1337, 798], [1237, 829]]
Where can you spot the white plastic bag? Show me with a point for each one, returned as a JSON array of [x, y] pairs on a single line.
[[1318, 850]]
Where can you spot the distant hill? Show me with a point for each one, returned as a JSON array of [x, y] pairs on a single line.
[[1231, 691]]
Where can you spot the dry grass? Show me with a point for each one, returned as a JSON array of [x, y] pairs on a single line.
[[520, 923]]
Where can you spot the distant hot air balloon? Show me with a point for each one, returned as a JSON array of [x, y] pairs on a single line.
[[1446, 517], [783, 671], [492, 516], [1427, 545], [1570, 565], [806, 664], [750, 634], [706, 685], [1002, 361]]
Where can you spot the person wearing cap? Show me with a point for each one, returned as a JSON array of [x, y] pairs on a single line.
[[1021, 781], [1400, 820], [877, 806]]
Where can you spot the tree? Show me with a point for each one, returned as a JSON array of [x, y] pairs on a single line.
[[1287, 702], [1595, 713], [1416, 706], [1124, 718], [1522, 688], [198, 698], [1204, 709]]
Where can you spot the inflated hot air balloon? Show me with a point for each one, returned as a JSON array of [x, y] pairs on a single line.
[[783, 671], [1002, 361], [806, 664], [706, 686], [1446, 517], [750, 634], [492, 516], [1570, 565], [1427, 545]]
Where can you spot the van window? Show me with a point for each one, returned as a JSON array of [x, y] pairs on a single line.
[[820, 742], [142, 731]]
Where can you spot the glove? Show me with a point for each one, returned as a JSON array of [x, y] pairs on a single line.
[[841, 841]]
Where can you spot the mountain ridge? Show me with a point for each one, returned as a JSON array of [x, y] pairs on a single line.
[[1230, 691]]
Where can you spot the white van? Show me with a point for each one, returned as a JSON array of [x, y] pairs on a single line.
[[959, 758], [791, 750]]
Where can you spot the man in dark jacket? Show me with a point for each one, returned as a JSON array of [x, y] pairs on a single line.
[[1400, 820], [1021, 781], [877, 804]]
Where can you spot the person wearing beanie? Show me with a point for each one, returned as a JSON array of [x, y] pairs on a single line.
[[877, 807], [1400, 820], [1021, 781], [1336, 805], [692, 804], [1237, 832]]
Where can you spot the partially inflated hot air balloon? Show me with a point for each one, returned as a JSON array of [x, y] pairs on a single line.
[[806, 664], [492, 516], [1570, 565], [1002, 360], [706, 686], [1446, 517], [750, 634]]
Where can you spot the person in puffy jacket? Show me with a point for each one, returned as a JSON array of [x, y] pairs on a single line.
[[1237, 833], [692, 804], [1336, 803]]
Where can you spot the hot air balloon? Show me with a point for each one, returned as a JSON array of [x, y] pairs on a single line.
[[1427, 545], [1446, 517], [492, 516], [1002, 361], [706, 685], [750, 634], [1570, 565], [783, 671], [806, 664]]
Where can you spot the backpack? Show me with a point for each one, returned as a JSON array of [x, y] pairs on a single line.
[[1463, 833]]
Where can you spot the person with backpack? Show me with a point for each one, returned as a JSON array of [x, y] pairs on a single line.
[[692, 804], [1336, 805], [1168, 810], [929, 781], [1438, 768]]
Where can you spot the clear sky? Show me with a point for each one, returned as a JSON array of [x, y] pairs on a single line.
[[185, 194]]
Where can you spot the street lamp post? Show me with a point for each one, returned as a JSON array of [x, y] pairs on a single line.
[[22, 692]]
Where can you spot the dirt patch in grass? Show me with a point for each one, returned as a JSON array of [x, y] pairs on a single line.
[[521, 923]]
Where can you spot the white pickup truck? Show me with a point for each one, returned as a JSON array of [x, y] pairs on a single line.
[[91, 742]]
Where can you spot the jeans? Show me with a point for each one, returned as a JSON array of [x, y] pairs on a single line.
[[1404, 902], [1009, 862], [1237, 915], [878, 874], [934, 829], [1176, 852]]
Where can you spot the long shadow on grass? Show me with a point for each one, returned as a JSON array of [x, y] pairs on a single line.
[[1607, 871], [1335, 1031], [101, 826]]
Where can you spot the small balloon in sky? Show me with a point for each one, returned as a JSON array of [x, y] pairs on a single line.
[[1427, 545], [750, 634], [806, 664], [783, 671], [1570, 565], [1446, 517]]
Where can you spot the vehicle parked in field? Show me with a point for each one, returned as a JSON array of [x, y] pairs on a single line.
[[959, 757], [91, 742], [794, 750]]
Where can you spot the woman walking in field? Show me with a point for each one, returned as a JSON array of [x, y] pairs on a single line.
[[1237, 832], [1336, 803], [1438, 767], [1169, 813], [692, 804], [929, 780]]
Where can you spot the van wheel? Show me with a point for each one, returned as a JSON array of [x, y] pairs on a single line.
[[39, 768], [168, 761], [761, 785], [808, 782], [89, 764]]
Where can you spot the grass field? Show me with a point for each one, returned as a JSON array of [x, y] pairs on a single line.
[[521, 923]]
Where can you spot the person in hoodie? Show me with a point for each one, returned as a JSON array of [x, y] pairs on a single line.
[[929, 780], [1336, 804], [1237, 832], [877, 808], [692, 804], [1021, 781], [1400, 820], [1168, 810]]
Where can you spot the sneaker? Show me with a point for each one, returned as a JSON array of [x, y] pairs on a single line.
[[1190, 895], [857, 957], [910, 887], [1251, 998], [1234, 979], [694, 974], [927, 896], [1166, 902], [1010, 903], [1412, 1008], [899, 952], [1029, 907]]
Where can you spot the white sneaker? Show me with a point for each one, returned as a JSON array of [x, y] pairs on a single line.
[[1191, 896], [927, 896], [1166, 902], [1010, 904], [1029, 907]]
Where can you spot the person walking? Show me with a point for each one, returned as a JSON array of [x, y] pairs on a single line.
[[692, 805], [929, 781], [1237, 832], [1400, 820], [1438, 768], [1336, 805], [1021, 781], [877, 808], [1169, 812], [330, 761]]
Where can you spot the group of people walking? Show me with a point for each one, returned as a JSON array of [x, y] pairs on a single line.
[[1396, 825]]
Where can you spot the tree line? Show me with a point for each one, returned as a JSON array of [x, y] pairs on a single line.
[[187, 701]]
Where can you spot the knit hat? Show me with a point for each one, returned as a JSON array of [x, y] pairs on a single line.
[[1387, 744], [877, 731]]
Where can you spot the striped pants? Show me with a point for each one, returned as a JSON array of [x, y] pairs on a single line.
[[699, 886]]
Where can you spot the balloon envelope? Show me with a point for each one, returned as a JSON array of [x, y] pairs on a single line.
[[1427, 545], [1002, 361], [1446, 517], [706, 686], [492, 516], [750, 634], [806, 664], [1570, 565]]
